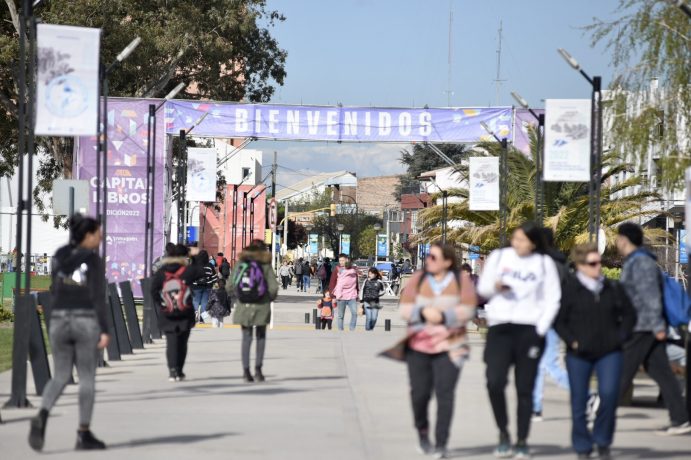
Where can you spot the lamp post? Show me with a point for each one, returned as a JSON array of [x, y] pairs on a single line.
[[595, 147], [682, 5], [340, 228], [503, 178], [377, 227], [539, 184], [309, 228]]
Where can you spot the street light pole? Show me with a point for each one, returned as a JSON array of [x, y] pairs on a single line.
[[377, 227], [595, 187]]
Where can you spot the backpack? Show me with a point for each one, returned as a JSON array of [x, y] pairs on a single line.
[[225, 269], [326, 310], [321, 273], [174, 293], [249, 282], [675, 300]]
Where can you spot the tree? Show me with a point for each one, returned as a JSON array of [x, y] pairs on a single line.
[[297, 234], [565, 209], [223, 50], [353, 225], [422, 159], [650, 40], [366, 242]]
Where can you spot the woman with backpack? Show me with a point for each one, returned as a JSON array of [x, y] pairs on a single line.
[[202, 287], [523, 290], [170, 289], [437, 304], [254, 287], [595, 320], [78, 327], [372, 290]]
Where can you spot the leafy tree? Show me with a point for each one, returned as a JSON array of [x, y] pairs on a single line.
[[353, 225], [565, 207], [297, 234], [422, 159], [223, 50], [366, 242], [650, 39]]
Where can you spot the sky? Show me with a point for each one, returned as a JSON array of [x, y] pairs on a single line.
[[395, 53]]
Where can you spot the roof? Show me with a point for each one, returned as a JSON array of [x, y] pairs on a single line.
[[308, 184]]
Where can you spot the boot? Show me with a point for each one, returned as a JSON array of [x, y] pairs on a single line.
[[258, 374], [87, 441], [38, 430], [248, 376]]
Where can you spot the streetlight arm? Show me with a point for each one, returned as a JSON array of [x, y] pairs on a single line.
[[124, 54], [681, 4], [570, 60]]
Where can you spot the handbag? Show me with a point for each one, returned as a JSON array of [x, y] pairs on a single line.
[[398, 351]]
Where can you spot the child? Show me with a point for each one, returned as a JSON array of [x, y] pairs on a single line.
[[219, 304], [372, 289], [326, 310]]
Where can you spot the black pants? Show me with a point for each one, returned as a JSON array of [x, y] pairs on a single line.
[[247, 344], [643, 348], [176, 349], [285, 280], [427, 373], [325, 322], [299, 281], [518, 345]]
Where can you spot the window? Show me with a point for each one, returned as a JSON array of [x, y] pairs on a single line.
[[245, 173]]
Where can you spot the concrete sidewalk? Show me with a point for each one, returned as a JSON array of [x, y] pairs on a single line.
[[327, 396]]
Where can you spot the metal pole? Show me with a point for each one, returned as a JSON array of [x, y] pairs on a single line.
[[21, 150], [244, 220], [597, 90], [30, 143], [234, 233], [152, 201], [593, 150], [444, 201], [285, 227], [539, 183], [148, 192], [104, 219], [503, 213], [252, 218], [71, 208], [182, 178]]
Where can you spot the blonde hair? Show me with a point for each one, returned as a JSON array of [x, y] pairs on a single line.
[[580, 252]]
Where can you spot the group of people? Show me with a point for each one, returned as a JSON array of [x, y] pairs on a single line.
[[609, 329], [303, 271]]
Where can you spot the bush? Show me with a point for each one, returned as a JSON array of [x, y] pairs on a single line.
[[6, 315], [612, 273]]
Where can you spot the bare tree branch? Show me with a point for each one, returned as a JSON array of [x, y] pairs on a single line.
[[13, 14]]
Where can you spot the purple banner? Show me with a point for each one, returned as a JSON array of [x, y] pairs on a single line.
[[347, 124], [126, 184], [524, 119]]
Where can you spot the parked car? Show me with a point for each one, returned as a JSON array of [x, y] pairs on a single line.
[[361, 265]]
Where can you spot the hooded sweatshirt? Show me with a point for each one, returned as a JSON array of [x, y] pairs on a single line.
[[79, 282], [534, 289]]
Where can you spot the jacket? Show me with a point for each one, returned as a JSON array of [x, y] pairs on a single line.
[[534, 289], [347, 286], [210, 277], [600, 323], [371, 290], [333, 280], [178, 321], [79, 282], [457, 303], [640, 277], [255, 314]]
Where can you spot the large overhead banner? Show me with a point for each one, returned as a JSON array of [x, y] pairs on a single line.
[[567, 140], [347, 124], [67, 80], [126, 185], [483, 184], [201, 174]]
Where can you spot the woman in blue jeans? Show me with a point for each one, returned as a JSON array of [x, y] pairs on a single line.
[[595, 319], [202, 287]]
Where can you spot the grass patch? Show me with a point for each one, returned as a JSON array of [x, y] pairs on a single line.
[[6, 334]]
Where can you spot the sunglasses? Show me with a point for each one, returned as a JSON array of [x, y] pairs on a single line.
[[594, 263]]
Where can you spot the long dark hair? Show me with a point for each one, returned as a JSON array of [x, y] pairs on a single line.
[[80, 226], [203, 257], [448, 252], [536, 235], [377, 275]]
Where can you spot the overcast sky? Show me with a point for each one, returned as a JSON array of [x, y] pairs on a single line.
[[395, 53]]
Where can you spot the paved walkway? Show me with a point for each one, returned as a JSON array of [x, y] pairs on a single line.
[[327, 396]]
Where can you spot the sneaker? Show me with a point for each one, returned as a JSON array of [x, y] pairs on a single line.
[[503, 449], [440, 452], [521, 450], [87, 441], [37, 434], [604, 453], [537, 417], [180, 376], [675, 430], [172, 375], [424, 446]]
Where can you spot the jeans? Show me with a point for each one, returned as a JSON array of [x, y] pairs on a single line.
[[429, 373], [352, 306], [298, 277], [200, 298], [305, 282], [371, 315], [247, 344], [549, 364], [74, 335], [608, 372], [176, 349], [518, 345], [285, 280]]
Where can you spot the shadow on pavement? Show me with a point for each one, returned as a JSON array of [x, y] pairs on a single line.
[[553, 450], [173, 439]]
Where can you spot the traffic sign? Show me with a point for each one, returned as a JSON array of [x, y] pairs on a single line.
[[273, 214]]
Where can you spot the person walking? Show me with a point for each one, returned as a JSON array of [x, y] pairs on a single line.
[[285, 273], [156, 265], [327, 273], [522, 285], [306, 275], [344, 286], [219, 304], [171, 290], [326, 310], [641, 278], [254, 287], [299, 266], [224, 269], [370, 293], [437, 304], [550, 363], [595, 319], [202, 286], [78, 328]]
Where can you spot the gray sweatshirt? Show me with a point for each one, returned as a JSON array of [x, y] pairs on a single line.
[[640, 277]]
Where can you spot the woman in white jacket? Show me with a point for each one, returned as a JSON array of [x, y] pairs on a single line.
[[523, 288]]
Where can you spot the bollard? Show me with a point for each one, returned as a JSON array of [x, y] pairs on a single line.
[[307, 318], [315, 318], [387, 325], [318, 324]]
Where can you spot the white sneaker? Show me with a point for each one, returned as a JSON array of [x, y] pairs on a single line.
[[674, 430]]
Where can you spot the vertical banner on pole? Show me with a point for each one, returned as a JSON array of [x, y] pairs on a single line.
[[345, 244], [567, 140], [383, 245], [201, 174], [314, 244], [483, 184], [67, 80]]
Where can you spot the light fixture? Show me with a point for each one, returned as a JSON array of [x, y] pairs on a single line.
[[340, 227], [522, 102], [174, 92], [128, 49], [377, 227], [569, 59]]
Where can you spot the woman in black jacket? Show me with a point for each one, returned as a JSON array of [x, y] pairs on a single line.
[[178, 323], [595, 319]]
